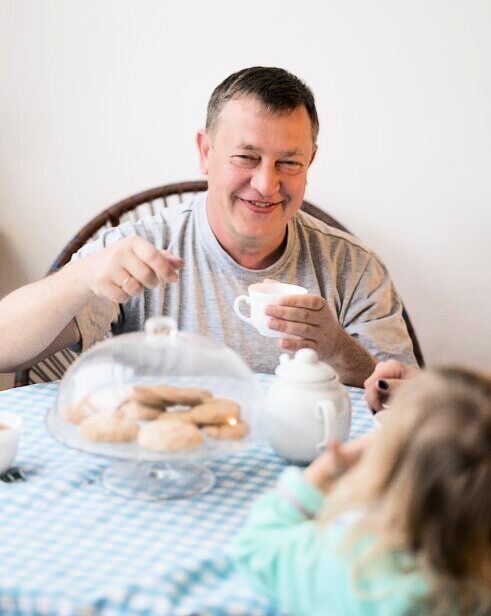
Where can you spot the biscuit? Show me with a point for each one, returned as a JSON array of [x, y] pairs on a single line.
[[169, 436], [176, 416], [145, 395], [155, 395], [109, 428], [139, 411], [215, 411], [76, 413], [227, 431]]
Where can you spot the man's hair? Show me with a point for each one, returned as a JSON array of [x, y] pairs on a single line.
[[278, 90]]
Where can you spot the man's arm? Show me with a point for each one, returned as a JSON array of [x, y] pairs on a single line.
[[350, 360], [38, 319], [66, 338]]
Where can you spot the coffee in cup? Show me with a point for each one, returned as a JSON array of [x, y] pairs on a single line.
[[260, 295]]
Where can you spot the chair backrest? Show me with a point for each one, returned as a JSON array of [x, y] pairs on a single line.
[[147, 203]]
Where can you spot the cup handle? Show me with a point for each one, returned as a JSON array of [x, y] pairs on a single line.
[[326, 412], [238, 301]]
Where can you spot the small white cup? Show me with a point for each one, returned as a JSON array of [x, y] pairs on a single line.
[[10, 426], [263, 294], [381, 417]]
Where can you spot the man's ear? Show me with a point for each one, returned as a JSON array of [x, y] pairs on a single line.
[[204, 147], [313, 155]]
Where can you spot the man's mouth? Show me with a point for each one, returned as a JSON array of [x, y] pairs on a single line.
[[261, 204]]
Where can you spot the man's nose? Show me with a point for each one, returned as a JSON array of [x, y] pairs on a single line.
[[266, 180]]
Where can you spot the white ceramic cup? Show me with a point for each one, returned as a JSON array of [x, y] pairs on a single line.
[[381, 417], [263, 294], [10, 425]]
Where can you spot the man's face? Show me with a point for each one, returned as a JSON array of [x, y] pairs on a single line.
[[256, 162]]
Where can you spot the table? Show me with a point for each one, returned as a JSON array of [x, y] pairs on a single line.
[[70, 548]]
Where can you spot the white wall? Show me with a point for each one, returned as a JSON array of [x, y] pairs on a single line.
[[99, 100]]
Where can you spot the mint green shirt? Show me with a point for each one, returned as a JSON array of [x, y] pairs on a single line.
[[286, 553]]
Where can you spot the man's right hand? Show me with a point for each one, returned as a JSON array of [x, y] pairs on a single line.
[[38, 319], [124, 269], [384, 380]]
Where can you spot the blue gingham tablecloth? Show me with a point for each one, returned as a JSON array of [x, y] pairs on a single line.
[[68, 547]]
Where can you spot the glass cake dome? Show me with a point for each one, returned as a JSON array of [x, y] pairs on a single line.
[[161, 401]]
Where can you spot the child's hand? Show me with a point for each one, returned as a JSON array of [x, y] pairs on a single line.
[[331, 464]]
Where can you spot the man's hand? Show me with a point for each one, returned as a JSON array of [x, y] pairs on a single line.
[[384, 380], [123, 270], [310, 318]]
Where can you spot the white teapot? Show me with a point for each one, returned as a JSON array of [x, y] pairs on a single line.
[[306, 407]]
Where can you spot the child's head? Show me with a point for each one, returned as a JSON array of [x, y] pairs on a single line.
[[427, 477]]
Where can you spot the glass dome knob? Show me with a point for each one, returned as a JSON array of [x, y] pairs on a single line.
[[162, 326]]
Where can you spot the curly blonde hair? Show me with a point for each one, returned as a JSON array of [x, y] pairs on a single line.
[[425, 487]]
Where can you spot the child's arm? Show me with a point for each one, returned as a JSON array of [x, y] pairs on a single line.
[[339, 458], [284, 552]]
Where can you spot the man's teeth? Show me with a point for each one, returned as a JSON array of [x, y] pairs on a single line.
[[261, 203]]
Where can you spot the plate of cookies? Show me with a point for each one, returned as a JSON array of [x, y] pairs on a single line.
[[158, 395], [158, 420]]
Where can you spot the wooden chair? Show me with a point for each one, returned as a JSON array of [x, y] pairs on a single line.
[[133, 208]]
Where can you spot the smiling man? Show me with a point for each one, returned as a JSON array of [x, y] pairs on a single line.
[[256, 161], [191, 261]]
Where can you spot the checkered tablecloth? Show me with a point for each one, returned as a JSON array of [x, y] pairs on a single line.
[[68, 547]]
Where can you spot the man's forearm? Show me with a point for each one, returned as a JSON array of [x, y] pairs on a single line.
[[33, 316], [351, 361]]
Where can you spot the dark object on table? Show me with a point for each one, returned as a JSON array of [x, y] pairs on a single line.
[[13, 474]]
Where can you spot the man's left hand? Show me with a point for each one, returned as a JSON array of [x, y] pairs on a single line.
[[310, 318]]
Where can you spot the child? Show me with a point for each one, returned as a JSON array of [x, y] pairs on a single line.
[[406, 530]]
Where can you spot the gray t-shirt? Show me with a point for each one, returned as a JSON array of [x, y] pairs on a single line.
[[328, 262]]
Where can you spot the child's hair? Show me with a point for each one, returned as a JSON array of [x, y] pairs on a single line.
[[425, 485]]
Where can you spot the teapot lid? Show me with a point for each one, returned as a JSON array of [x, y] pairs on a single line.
[[305, 367]]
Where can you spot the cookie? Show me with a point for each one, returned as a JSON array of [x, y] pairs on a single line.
[[145, 395], [169, 436], [76, 413], [155, 395], [141, 412], [215, 411], [227, 431], [109, 428], [176, 416]]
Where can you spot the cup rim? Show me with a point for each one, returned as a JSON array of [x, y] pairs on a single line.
[[292, 289], [381, 417], [12, 421]]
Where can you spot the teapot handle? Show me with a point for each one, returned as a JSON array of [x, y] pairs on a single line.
[[326, 411]]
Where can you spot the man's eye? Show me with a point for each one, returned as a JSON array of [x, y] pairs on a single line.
[[244, 161], [290, 166]]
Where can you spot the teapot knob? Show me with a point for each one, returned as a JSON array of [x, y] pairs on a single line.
[[307, 356], [284, 358]]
